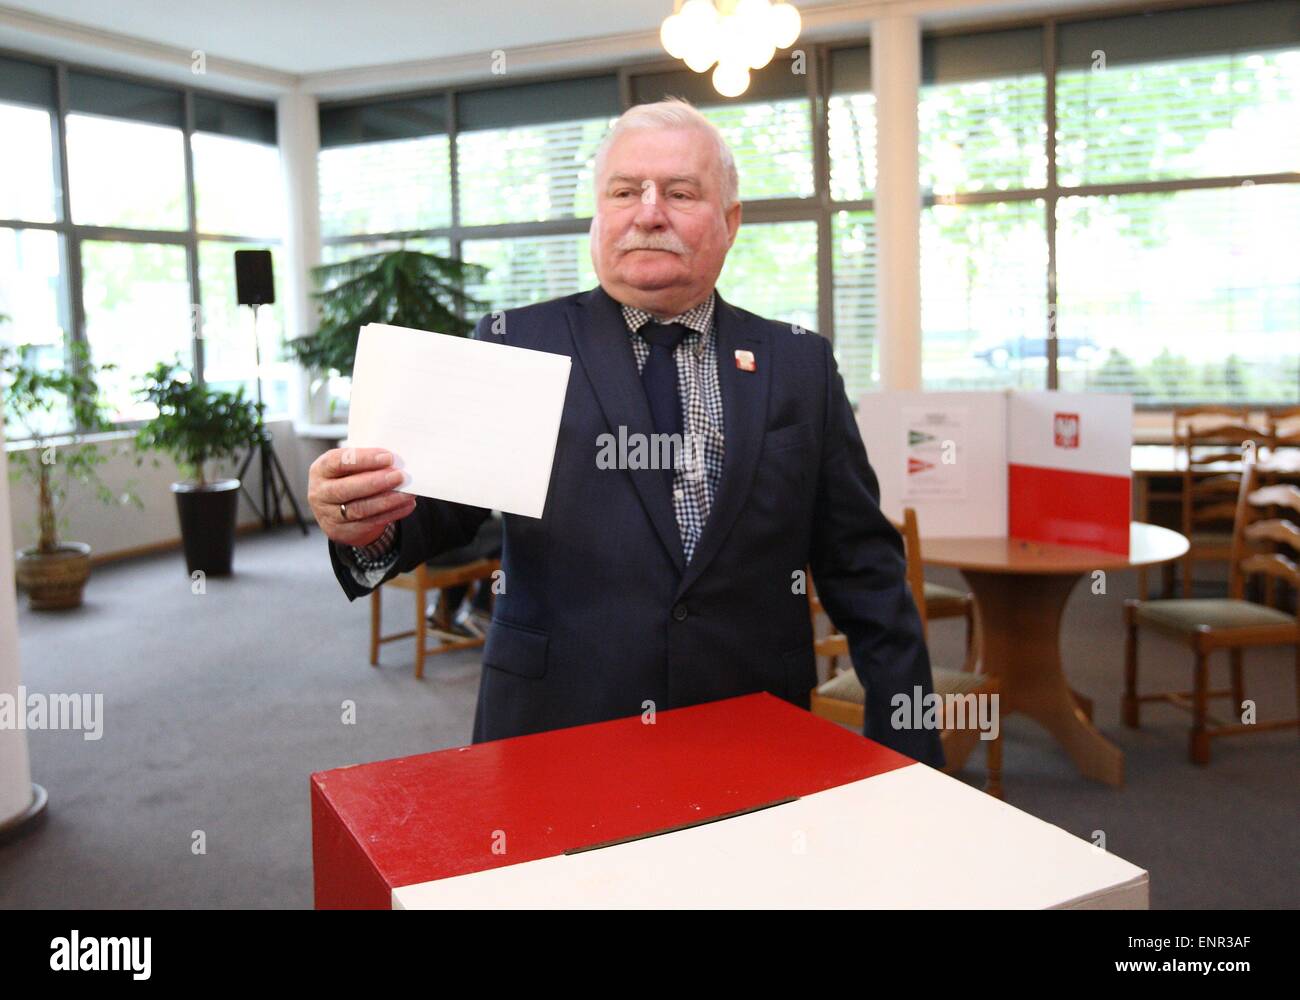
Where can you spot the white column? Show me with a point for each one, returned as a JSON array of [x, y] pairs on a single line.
[[16, 792], [299, 146], [896, 81]]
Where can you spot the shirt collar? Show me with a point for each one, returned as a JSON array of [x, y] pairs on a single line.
[[699, 318]]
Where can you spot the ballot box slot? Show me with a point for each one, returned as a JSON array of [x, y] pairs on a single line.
[[683, 826]]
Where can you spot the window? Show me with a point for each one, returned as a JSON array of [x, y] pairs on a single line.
[[1168, 289], [772, 144], [1182, 296], [525, 153], [530, 269], [33, 293], [126, 154], [528, 174], [137, 301], [982, 123], [853, 255], [851, 125], [27, 166], [1214, 116], [131, 231], [983, 296], [31, 296], [126, 174], [772, 270], [1179, 94], [982, 114], [385, 187], [851, 137], [237, 186], [384, 167], [238, 193]]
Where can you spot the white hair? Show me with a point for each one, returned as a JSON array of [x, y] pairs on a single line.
[[673, 112]]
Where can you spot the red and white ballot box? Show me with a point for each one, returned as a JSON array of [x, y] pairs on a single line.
[[747, 802], [1044, 466]]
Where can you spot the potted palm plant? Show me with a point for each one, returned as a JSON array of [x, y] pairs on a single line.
[[420, 291], [198, 425], [41, 402]]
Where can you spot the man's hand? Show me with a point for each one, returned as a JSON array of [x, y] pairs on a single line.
[[351, 494]]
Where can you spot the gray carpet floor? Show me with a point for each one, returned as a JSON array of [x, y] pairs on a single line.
[[218, 706]]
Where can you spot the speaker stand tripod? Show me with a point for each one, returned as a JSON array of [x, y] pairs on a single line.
[[275, 484]]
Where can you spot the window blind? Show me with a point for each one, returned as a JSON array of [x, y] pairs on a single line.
[[385, 187], [528, 173], [853, 256], [772, 145], [530, 269], [982, 113]]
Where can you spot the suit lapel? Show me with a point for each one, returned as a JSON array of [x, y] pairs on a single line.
[[605, 351], [744, 415]]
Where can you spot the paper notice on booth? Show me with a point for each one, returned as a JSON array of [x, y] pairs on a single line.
[[935, 454], [469, 421]]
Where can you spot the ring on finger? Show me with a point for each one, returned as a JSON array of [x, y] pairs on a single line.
[[343, 511]]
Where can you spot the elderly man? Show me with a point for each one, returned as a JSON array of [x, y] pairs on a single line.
[[649, 588]]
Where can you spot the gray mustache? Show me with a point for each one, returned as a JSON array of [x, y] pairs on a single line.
[[651, 242]]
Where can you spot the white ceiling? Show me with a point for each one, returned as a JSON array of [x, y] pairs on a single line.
[[314, 36], [343, 47]]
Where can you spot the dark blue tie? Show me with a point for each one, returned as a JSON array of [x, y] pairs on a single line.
[[659, 376]]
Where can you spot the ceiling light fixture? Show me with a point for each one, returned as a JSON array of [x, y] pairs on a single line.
[[737, 35]]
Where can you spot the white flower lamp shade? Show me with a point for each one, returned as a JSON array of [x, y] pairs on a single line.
[[735, 36]]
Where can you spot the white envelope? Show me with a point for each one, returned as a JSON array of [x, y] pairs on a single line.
[[469, 421]]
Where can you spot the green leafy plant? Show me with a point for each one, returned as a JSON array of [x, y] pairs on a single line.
[[196, 424], [37, 399], [421, 291]]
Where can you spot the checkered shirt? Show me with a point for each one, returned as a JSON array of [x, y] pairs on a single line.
[[695, 484]]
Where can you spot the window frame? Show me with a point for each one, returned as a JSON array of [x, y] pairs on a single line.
[[72, 235]]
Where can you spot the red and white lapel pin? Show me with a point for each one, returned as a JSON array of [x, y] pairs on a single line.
[[745, 361]]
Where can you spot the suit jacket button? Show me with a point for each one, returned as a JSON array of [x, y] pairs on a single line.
[[679, 612]]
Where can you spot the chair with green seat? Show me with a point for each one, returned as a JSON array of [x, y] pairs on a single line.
[[1261, 548], [842, 699]]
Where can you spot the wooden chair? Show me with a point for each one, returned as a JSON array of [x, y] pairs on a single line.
[[1230, 623], [842, 699], [422, 580], [1284, 427], [1209, 441]]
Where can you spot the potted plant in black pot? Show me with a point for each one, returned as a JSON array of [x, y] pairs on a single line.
[[42, 400], [197, 425]]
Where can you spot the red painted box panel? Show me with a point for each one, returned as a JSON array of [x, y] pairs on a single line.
[[413, 819]]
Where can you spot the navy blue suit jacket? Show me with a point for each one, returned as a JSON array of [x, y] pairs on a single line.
[[599, 615]]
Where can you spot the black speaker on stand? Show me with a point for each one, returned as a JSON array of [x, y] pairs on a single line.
[[255, 287]]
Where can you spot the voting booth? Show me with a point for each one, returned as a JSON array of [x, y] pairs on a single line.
[[747, 802], [1041, 466]]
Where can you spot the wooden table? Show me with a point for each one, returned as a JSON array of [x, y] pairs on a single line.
[[1021, 589]]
